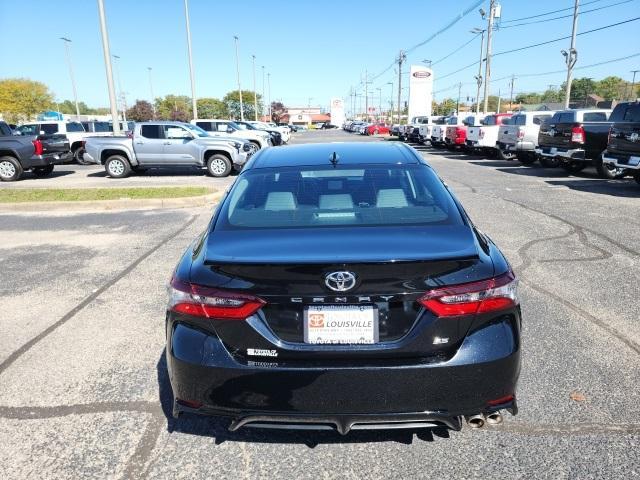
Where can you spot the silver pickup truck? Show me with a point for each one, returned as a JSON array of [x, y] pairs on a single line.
[[167, 144]]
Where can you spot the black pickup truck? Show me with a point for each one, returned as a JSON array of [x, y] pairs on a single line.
[[623, 149], [39, 154], [575, 139]]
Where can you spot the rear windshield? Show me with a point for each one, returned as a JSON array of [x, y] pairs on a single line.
[[490, 120], [594, 117], [312, 197], [75, 127], [563, 117], [519, 120]]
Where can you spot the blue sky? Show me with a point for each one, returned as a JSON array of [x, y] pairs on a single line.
[[313, 49]]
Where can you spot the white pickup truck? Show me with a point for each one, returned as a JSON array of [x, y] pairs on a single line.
[[73, 130], [167, 144], [439, 131], [484, 138], [520, 137], [425, 129]]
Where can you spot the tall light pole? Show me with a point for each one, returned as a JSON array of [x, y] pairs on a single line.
[[153, 98], [379, 102], [479, 77], [401, 58], [73, 79], [255, 92], [235, 37], [107, 65], [269, 93], [513, 79], [391, 103], [487, 65], [571, 57], [264, 99], [123, 104], [193, 81]]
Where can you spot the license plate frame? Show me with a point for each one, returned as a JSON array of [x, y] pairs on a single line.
[[354, 334]]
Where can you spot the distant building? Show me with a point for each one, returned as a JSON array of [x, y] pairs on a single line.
[[305, 115]]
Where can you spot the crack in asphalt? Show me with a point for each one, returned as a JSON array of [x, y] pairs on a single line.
[[15, 355], [527, 262]]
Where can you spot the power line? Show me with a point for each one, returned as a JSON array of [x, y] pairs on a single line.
[[457, 50], [564, 38], [566, 16], [549, 13]]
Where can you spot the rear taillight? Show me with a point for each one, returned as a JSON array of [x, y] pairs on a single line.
[[609, 136], [37, 145], [484, 296], [481, 133], [520, 133], [577, 134], [461, 132], [209, 302]]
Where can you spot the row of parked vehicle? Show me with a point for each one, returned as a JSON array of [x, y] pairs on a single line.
[[366, 128], [215, 144], [571, 139]]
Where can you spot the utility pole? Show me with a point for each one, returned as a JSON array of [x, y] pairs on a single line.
[[487, 66], [264, 99], [379, 102], [458, 102], [391, 103], [255, 93], [513, 79], [633, 85], [479, 76], [73, 79], [499, 98], [193, 81], [238, 75], [269, 93], [571, 57], [401, 58], [366, 96], [107, 66], [153, 98]]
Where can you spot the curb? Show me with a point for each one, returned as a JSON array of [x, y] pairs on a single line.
[[122, 204]]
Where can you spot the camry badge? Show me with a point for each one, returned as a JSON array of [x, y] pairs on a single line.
[[340, 281]]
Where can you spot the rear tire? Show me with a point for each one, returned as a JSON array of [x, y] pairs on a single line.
[[10, 169], [610, 173], [218, 165], [549, 162], [43, 171], [78, 156], [117, 166], [503, 155], [574, 167], [526, 158]]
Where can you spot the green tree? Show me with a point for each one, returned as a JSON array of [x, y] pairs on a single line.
[[141, 111], [580, 88], [611, 88], [232, 101], [552, 95], [212, 108], [528, 98], [21, 99], [445, 107], [69, 107], [174, 107]]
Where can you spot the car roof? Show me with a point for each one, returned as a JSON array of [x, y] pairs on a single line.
[[348, 153]]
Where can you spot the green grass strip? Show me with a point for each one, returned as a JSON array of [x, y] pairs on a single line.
[[20, 195]]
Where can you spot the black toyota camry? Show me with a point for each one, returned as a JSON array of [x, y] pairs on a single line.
[[342, 286]]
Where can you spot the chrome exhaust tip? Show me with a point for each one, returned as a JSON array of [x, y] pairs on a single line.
[[494, 418], [476, 421]]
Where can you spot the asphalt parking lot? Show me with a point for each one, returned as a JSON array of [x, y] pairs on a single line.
[[84, 385]]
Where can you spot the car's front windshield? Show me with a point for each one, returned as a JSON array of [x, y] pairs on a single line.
[[196, 130], [319, 196]]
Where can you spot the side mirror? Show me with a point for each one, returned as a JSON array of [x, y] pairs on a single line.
[[42, 132], [230, 130]]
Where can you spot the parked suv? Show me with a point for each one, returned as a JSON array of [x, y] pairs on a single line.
[[167, 144], [623, 148], [575, 139], [73, 130], [228, 128], [38, 153], [520, 137]]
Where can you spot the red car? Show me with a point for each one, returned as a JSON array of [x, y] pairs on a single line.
[[377, 128]]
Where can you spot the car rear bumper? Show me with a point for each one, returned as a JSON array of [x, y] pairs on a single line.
[[47, 159], [622, 161], [568, 154], [207, 379]]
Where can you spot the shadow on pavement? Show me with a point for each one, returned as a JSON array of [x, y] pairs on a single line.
[[217, 428], [615, 188], [162, 172], [54, 174]]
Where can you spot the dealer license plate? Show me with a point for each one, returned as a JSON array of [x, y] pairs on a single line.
[[553, 151], [341, 324], [634, 160]]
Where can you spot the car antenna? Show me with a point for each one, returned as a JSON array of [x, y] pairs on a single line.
[[334, 158]]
